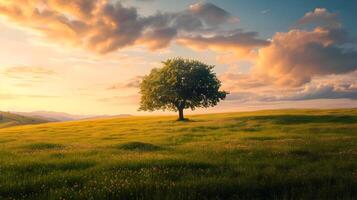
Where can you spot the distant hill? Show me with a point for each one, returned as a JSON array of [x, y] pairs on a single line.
[[9, 119], [61, 116], [52, 116], [107, 116]]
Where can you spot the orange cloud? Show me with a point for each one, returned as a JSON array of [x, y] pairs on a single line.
[[241, 44], [320, 16], [122, 100], [295, 57], [22, 72], [305, 64], [249, 88], [104, 26], [131, 83], [234, 82]]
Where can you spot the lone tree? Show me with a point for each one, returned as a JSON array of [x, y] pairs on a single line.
[[180, 84]]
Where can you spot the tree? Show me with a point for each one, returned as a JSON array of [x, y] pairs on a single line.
[[180, 84]]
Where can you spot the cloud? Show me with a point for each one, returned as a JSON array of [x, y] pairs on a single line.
[[121, 100], [27, 71], [306, 64], [241, 82], [295, 57], [158, 38], [264, 12], [238, 42], [320, 16], [211, 14], [329, 87], [307, 93], [243, 97], [105, 26], [323, 92], [96, 25], [247, 87], [131, 83], [16, 96]]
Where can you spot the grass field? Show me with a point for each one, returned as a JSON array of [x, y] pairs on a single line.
[[286, 154]]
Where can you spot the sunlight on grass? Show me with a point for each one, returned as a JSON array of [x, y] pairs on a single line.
[[292, 154]]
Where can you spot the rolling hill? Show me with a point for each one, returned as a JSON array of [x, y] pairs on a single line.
[[281, 154], [62, 116], [9, 119]]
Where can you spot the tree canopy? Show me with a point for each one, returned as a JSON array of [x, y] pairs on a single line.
[[180, 84]]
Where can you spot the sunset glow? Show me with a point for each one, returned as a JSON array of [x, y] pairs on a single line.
[[88, 56]]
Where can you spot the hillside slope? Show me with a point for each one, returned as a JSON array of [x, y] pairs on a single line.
[[62, 117], [283, 154], [9, 119]]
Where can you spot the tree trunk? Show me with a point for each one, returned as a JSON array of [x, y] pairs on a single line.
[[181, 118]]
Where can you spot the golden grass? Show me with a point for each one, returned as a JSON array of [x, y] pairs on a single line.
[[264, 154]]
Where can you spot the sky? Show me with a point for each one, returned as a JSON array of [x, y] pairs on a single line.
[[88, 56]]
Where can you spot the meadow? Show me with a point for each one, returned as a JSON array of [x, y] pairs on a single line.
[[281, 154]]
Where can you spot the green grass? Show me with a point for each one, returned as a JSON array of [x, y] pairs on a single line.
[[283, 154]]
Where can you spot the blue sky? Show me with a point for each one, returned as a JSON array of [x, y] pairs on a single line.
[[263, 16]]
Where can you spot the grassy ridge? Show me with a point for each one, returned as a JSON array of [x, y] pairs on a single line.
[[287, 154], [9, 119]]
